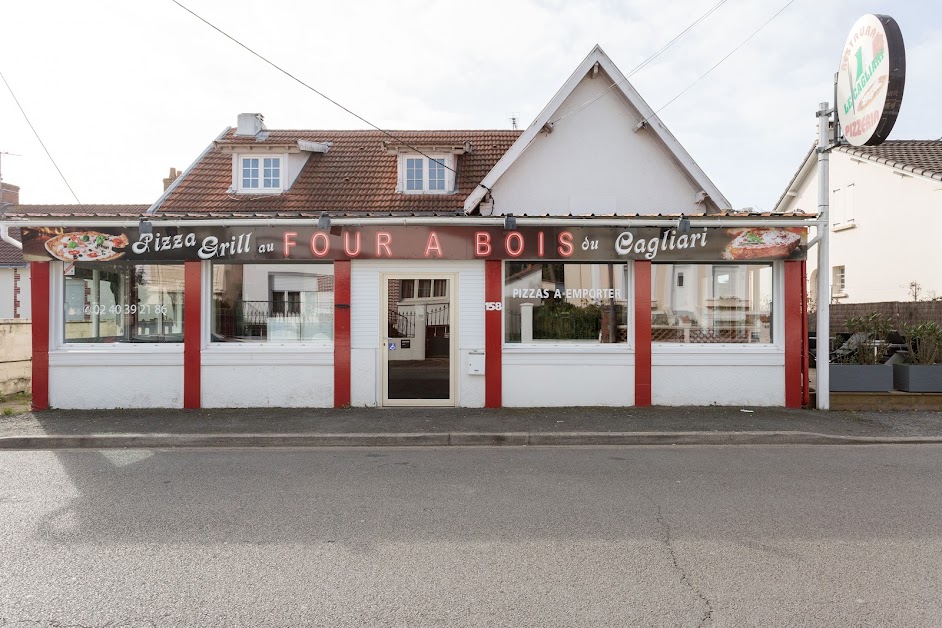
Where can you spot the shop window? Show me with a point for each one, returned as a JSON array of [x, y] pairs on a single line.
[[119, 302], [277, 303], [713, 303], [565, 303]]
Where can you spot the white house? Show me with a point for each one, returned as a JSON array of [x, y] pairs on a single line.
[[885, 215], [586, 261]]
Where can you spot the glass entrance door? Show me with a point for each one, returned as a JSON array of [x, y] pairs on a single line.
[[419, 343]]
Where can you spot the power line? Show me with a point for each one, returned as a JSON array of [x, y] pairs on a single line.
[[728, 55], [319, 93], [41, 143], [641, 65]]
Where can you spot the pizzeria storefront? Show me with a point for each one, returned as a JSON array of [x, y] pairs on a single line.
[[446, 311]]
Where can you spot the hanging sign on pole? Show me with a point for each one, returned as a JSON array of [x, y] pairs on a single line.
[[870, 80]]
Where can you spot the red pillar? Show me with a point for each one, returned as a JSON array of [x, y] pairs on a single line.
[[39, 289], [192, 333], [341, 334], [793, 330], [493, 335], [642, 333]]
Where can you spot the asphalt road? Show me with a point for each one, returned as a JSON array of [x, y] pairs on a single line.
[[673, 536]]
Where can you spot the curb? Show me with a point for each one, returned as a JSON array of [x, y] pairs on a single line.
[[448, 439]]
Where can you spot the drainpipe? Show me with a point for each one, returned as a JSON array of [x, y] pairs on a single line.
[[6, 237]]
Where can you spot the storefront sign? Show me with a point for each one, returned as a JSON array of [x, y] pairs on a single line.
[[76, 244], [870, 80]]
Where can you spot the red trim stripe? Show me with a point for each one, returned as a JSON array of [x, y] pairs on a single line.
[[493, 335], [642, 333], [39, 291], [192, 333], [793, 329], [342, 293]]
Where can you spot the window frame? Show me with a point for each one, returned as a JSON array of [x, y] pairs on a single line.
[[574, 346], [432, 297], [207, 314], [238, 164], [64, 353], [447, 169], [776, 321], [838, 281]]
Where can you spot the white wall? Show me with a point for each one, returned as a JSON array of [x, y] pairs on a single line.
[[138, 377], [699, 376], [366, 309], [258, 377], [594, 162], [590, 375], [892, 239]]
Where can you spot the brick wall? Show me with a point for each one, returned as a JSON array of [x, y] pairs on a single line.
[[900, 312]]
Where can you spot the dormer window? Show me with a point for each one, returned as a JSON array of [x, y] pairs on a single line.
[[420, 174], [260, 174]]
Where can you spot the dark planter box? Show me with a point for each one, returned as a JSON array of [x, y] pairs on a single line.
[[918, 377], [861, 377]]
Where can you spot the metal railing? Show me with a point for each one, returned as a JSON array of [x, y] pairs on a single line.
[[267, 320]]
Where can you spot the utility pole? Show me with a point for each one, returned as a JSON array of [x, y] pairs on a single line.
[[823, 333]]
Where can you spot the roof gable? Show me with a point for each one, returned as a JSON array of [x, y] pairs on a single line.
[[597, 59]]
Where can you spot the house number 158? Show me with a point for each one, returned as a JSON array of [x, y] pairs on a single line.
[[490, 306]]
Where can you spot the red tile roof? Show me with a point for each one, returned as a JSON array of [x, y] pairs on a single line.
[[67, 211], [917, 156], [356, 175], [9, 254]]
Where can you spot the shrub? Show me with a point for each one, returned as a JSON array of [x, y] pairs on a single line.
[[924, 343], [870, 332]]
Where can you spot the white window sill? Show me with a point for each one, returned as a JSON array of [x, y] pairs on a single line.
[[839, 295], [256, 191], [119, 347], [268, 347], [252, 355], [844, 226], [714, 347], [117, 355], [574, 347], [428, 192]]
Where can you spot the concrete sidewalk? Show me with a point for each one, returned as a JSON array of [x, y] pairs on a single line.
[[288, 427]]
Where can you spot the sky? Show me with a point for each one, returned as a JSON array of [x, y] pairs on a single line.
[[120, 92]]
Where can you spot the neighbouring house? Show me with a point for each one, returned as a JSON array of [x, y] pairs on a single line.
[[587, 260], [885, 212], [14, 270]]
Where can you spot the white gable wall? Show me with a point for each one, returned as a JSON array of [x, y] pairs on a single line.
[[594, 162], [888, 234]]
